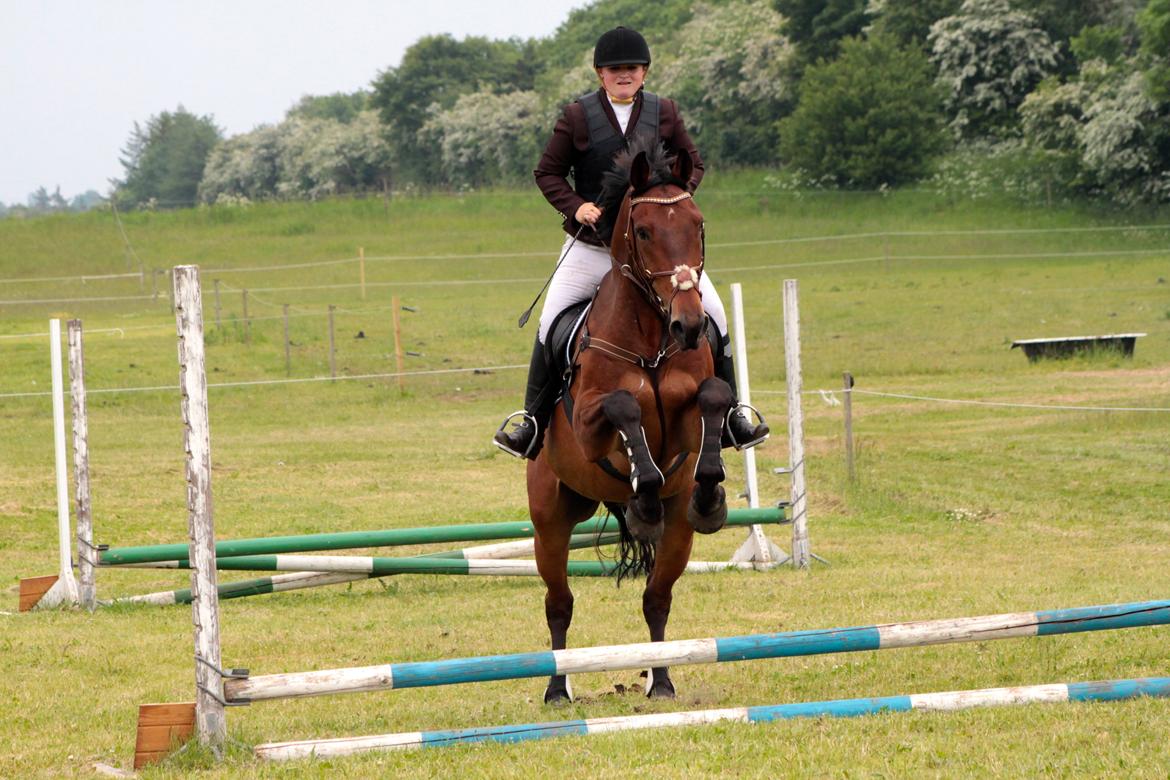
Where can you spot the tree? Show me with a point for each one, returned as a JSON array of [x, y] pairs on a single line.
[[908, 21], [244, 166], [486, 138], [1154, 22], [164, 159], [436, 70], [817, 27], [989, 58], [339, 106], [732, 79], [872, 117]]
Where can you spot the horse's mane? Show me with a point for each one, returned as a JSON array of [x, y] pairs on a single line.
[[616, 181]]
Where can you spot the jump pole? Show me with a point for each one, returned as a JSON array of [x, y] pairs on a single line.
[[1108, 690], [757, 547], [301, 580], [381, 567], [439, 534], [54, 590], [699, 651]]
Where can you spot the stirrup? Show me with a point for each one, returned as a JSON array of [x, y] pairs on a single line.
[[531, 445], [739, 407]]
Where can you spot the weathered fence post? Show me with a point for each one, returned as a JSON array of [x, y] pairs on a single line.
[[287, 353], [801, 554], [362, 269], [332, 346], [86, 553], [849, 426], [247, 322], [210, 721], [397, 344]]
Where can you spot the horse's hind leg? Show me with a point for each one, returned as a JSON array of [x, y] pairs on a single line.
[[707, 512], [555, 510], [670, 562]]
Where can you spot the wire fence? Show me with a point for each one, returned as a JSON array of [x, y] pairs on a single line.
[[715, 245]]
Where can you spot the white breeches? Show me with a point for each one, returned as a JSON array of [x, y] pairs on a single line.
[[581, 272]]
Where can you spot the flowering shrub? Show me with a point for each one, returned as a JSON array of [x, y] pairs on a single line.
[[989, 58]]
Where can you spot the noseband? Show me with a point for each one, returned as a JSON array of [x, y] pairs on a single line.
[[682, 277]]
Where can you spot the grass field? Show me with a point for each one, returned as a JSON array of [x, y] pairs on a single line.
[[957, 510]]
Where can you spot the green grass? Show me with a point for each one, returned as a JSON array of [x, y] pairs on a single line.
[[957, 509]]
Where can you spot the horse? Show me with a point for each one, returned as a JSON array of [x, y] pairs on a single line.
[[639, 422]]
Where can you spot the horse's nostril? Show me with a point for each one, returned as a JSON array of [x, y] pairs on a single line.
[[677, 331]]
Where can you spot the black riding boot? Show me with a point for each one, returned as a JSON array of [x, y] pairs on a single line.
[[526, 436], [739, 431]]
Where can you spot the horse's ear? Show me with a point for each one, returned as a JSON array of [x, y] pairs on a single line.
[[683, 166], [639, 172]]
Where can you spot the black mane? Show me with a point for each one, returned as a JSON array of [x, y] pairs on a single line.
[[616, 181]]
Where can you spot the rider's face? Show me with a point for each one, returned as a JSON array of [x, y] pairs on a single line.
[[622, 81]]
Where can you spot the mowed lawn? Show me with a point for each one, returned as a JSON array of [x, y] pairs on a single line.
[[1051, 492]]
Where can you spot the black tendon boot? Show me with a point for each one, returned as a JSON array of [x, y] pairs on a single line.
[[526, 436], [739, 431]]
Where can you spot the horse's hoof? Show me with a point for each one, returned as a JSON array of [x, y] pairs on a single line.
[[557, 696], [661, 689], [709, 519], [644, 518]]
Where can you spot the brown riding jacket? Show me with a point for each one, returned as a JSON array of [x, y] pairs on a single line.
[[570, 142]]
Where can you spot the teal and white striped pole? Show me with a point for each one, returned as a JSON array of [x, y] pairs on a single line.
[[698, 651], [1110, 690]]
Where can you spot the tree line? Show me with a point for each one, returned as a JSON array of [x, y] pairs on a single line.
[[1063, 95]]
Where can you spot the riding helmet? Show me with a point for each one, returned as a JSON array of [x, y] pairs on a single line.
[[621, 46]]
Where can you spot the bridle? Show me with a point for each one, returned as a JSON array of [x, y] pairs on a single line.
[[682, 277]]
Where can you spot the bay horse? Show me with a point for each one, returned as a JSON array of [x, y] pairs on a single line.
[[639, 423]]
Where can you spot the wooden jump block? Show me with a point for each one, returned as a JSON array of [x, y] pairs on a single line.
[[32, 589], [162, 728], [1035, 349]]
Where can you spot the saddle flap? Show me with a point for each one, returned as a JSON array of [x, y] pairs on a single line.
[[559, 344]]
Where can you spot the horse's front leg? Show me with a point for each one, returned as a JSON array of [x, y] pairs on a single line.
[[600, 421], [555, 509], [707, 511], [669, 563]]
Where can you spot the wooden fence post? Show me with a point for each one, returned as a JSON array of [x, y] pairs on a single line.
[[86, 552], [849, 426], [332, 346], [398, 344], [210, 721], [247, 322], [287, 353], [801, 553], [362, 268]]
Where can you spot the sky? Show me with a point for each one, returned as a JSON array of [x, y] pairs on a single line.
[[76, 75]]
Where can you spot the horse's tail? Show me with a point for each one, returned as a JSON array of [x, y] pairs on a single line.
[[634, 557]]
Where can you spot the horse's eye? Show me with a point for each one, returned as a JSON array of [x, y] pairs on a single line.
[[643, 234]]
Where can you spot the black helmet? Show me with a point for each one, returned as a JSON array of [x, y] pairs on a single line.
[[621, 46]]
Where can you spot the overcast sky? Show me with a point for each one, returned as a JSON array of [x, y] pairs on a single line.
[[75, 76]]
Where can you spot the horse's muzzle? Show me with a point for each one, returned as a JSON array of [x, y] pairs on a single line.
[[687, 329]]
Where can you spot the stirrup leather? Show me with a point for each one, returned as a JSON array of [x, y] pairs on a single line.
[[739, 407], [535, 435]]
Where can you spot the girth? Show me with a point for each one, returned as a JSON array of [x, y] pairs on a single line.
[[649, 366]]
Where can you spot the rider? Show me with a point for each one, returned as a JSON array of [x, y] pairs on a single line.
[[584, 141]]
